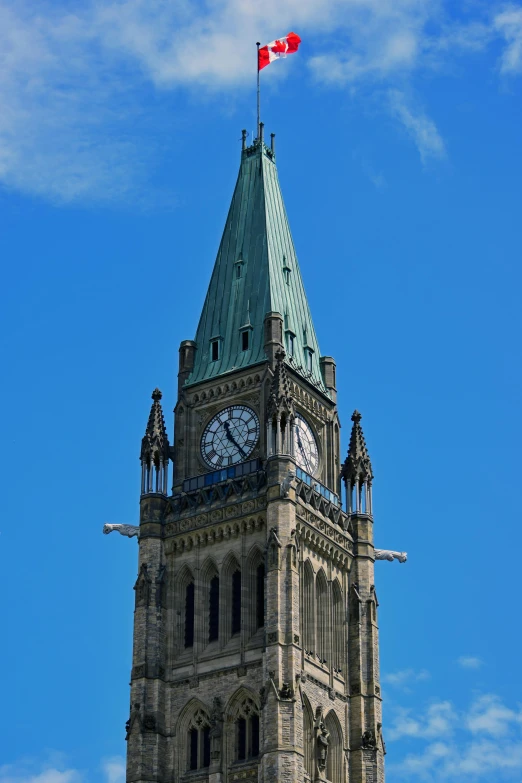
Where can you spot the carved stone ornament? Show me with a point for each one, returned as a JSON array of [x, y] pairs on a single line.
[[322, 741], [216, 730], [369, 741], [142, 586], [286, 483], [388, 554], [134, 715], [124, 530], [286, 691], [273, 547], [149, 723]]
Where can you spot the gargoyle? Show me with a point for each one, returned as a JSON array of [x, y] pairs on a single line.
[[388, 554], [124, 530]]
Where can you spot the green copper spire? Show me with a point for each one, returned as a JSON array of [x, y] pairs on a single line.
[[256, 272]]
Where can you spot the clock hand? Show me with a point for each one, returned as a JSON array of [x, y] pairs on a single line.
[[300, 444], [231, 438]]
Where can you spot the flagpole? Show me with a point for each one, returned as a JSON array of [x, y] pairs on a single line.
[[258, 44]]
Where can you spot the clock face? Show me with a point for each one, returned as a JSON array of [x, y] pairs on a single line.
[[305, 446], [230, 436]]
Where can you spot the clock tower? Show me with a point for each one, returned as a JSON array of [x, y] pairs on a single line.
[[256, 651]]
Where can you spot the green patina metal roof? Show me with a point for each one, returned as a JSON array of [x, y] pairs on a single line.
[[256, 239]]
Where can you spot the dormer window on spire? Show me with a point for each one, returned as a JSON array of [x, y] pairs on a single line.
[[215, 349], [287, 269], [238, 269], [290, 343], [245, 336]]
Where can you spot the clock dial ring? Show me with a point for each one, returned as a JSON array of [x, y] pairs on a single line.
[[230, 436], [306, 451]]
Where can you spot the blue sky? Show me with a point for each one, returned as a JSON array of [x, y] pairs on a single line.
[[398, 143]]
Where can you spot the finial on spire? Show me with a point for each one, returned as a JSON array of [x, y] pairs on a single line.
[[155, 450], [357, 471], [357, 466]]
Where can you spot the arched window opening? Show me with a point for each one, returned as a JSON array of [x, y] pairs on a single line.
[[260, 596], [213, 609], [193, 748], [254, 735], [308, 629], [334, 762], [241, 727], [338, 630], [247, 731], [189, 615], [322, 617], [206, 746], [308, 740], [198, 741], [236, 602]]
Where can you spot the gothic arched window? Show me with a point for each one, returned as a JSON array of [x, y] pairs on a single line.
[[260, 596], [231, 599], [189, 615], [254, 592], [247, 731], [236, 602], [198, 741], [338, 630], [308, 620], [308, 739], [334, 764], [213, 609], [186, 597], [322, 616]]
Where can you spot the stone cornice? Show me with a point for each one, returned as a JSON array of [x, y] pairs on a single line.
[[212, 533], [325, 539]]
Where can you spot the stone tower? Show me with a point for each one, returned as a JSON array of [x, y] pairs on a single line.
[[256, 650]]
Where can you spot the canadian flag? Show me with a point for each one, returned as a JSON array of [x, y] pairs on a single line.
[[280, 48]]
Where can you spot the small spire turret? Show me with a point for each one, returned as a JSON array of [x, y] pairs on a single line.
[[357, 471], [280, 410], [155, 450]]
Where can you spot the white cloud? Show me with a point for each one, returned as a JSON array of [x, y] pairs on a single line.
[[488, 715], [483, 742], [15, 774], [31, 771], [405, 677], [509, 24], [62, 115], [73, 82], [437, 722], [419, 126], [469, 662], [114, 770]]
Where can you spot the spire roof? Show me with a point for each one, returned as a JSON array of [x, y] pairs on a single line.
[[256, 272], [357, 464], [155, 442]]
